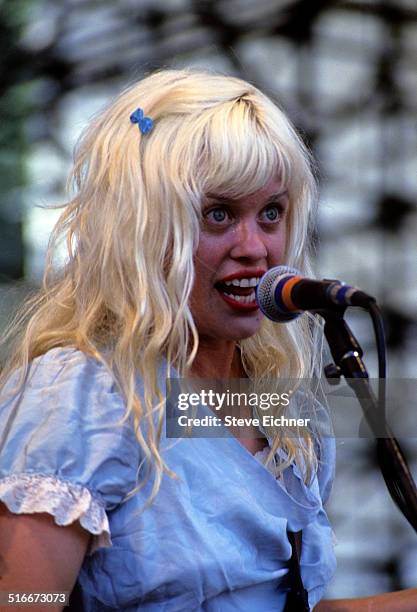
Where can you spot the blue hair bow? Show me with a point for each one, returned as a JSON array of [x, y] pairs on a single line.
[[145, 124]]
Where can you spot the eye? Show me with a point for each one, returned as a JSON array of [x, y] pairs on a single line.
[[272, 213], [217, 215]]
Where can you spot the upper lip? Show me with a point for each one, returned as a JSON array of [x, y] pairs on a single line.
[[258, 272]]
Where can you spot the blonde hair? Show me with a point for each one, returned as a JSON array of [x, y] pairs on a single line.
[[133, 225]]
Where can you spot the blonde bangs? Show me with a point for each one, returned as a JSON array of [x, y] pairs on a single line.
[[230, 153], [238, 156]]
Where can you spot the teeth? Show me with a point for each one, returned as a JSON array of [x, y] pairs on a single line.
[[243, 299], [243, 282]]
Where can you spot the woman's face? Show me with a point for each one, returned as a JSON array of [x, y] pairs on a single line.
[[239, 241]]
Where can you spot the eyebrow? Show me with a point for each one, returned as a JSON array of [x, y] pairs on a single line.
[[221, 198]]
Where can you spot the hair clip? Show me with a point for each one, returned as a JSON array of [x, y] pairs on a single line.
[[145, 124]]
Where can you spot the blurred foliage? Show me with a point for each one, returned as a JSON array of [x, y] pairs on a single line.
[[15, 105]]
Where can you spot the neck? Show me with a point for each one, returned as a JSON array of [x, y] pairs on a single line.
[[217, 360]]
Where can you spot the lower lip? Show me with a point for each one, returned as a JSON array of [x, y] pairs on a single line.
[[250, 307]]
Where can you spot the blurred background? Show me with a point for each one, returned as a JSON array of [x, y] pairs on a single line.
[[345, 72]]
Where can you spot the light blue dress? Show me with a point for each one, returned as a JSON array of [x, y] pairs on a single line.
[[214, 540]]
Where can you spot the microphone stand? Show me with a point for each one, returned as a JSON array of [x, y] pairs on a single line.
[[347, 354]]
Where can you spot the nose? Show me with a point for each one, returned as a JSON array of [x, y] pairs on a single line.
[[248, 242]]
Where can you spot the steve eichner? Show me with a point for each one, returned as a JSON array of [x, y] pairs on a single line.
[[218, 401]]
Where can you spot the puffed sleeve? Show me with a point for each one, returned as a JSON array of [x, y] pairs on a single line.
[[62, 450]]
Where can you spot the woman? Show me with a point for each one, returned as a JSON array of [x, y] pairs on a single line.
[[188, 188]]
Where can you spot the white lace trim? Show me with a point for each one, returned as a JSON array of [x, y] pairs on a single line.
[[66, 501]]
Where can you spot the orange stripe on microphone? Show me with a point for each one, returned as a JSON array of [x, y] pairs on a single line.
[[286, 292]]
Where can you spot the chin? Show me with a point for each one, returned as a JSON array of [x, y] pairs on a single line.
[[243, 332]]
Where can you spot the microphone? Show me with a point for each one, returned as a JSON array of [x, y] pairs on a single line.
[[283, 293]]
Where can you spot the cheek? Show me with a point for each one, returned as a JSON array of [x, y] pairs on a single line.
[[209, 255], [277, 249], [204, 269]]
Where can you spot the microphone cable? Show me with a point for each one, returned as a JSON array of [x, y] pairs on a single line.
[[390, 457]]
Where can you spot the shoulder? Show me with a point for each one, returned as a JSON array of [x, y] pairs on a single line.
[[66, 365], [61, 384]]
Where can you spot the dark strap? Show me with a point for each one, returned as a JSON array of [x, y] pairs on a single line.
[[75, 603], [297, 598]]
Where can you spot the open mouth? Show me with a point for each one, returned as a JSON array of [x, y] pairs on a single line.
[[239, 292]]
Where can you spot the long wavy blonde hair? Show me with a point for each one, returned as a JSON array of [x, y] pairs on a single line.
[[122, 296]]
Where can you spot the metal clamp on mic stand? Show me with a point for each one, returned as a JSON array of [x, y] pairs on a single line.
[[347, 354]]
